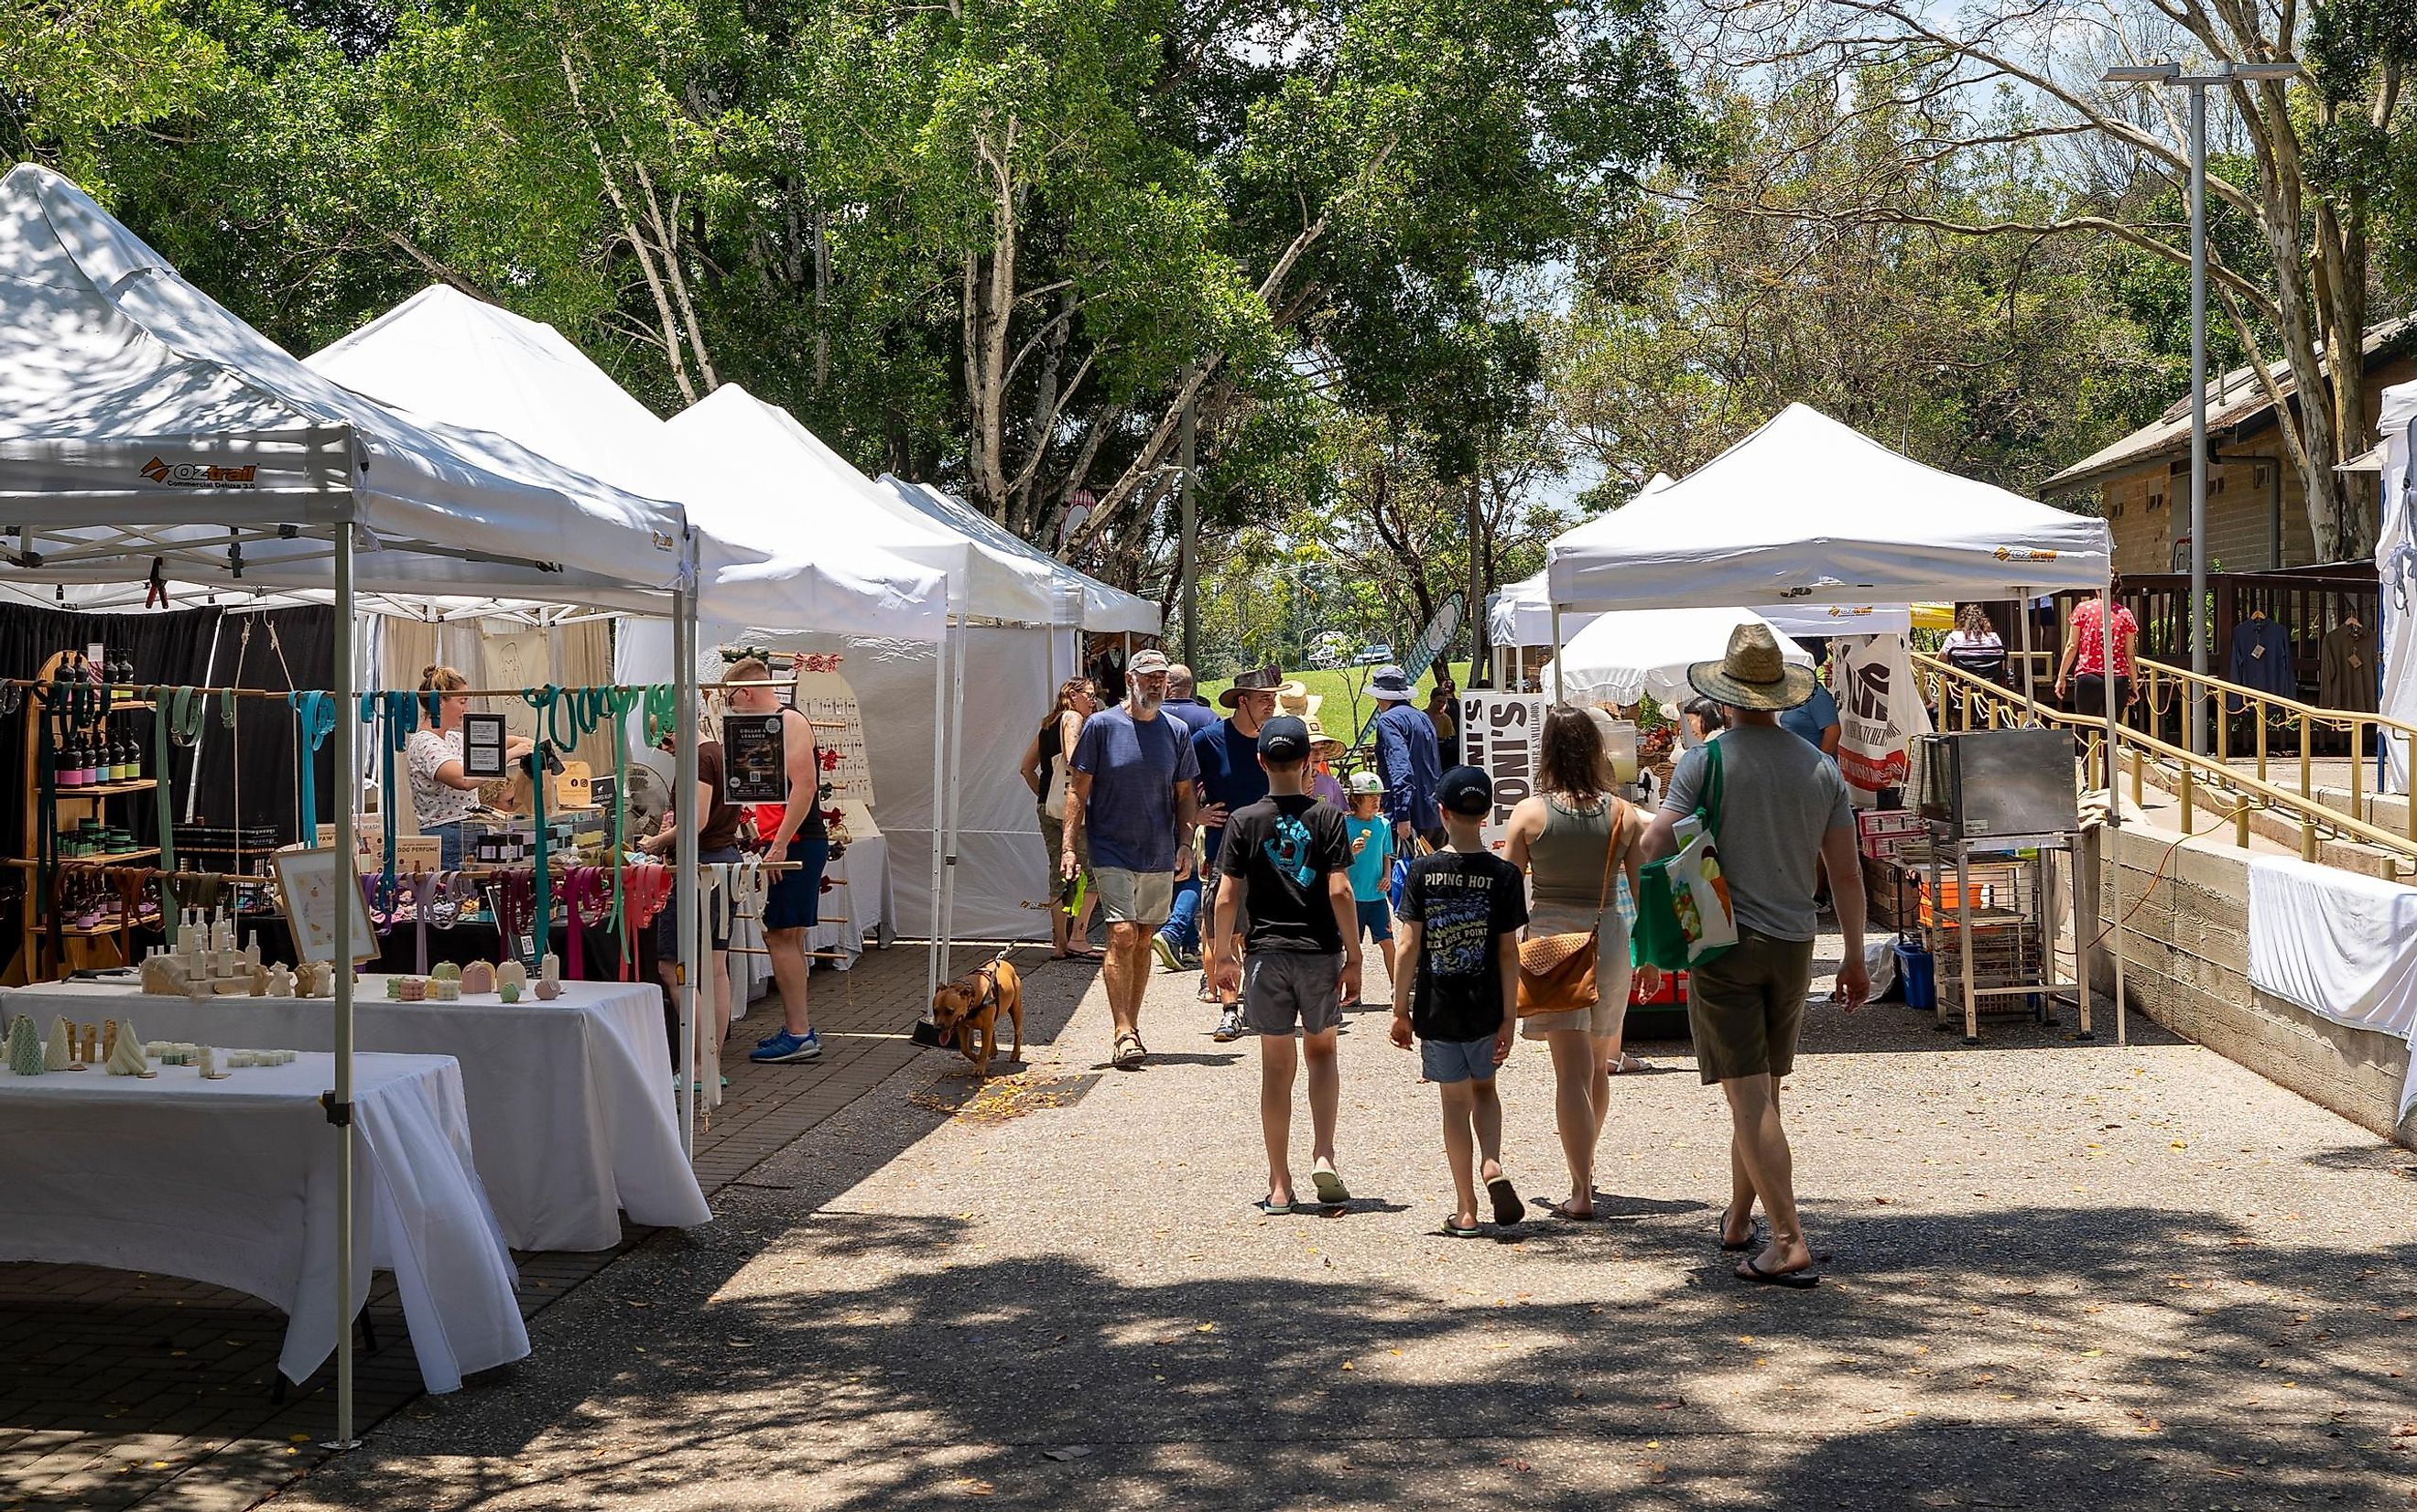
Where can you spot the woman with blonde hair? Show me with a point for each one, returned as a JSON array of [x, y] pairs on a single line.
[[1569, 838], [442, 793], [1046, 774]]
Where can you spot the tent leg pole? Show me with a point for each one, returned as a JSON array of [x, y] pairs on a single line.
[[2115, 801], [1556, 688], [347, 793], [956, 788], [939, 802], [684, 896], [2030, 699]]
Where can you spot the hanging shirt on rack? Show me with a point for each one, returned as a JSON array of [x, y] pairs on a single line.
[[2261, 658], [2346, 668]]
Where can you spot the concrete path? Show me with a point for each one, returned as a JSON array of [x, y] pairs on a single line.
[[2065, 1275]]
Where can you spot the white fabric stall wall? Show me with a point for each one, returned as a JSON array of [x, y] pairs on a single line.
[[2395, 560], [1011, 677]]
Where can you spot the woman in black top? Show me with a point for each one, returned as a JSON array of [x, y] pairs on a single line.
[[1045, 772]]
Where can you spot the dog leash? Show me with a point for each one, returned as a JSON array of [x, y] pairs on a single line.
[[396, 715], [314, 720]]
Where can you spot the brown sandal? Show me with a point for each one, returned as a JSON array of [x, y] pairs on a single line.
[[1125, 1059]]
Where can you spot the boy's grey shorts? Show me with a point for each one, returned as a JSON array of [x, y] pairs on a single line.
[[1289, 989]]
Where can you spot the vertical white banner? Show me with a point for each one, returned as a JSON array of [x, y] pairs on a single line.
[[2395, 562], [1879, 712], [1500, 734]]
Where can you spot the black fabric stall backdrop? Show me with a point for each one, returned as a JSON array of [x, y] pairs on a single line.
[[180, 647]]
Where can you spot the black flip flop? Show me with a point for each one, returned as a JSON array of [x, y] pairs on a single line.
[[1453, 1231], [1567, 1217], [1751, 1241], [1508, 1209], [1755, 1274], [1271, 1209]]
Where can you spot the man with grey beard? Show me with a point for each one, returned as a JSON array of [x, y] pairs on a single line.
[[1131, 792]]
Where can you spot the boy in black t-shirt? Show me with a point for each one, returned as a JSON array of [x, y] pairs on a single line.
[[1287, 859], [1455, 984]]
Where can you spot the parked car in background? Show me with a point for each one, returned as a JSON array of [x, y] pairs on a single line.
[[1374, 654]]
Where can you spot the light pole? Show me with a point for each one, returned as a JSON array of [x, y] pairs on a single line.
[[2221, 73]]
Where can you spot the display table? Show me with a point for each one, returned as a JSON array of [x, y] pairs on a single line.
[[861, 902], [233, 1183], [570, 1101]]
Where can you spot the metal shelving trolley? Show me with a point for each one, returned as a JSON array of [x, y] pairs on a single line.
[[1999, 806]]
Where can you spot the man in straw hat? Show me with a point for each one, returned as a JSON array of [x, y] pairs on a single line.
[[1782, 805]]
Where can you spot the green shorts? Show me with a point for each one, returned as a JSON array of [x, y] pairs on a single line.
[[1745, 1006]]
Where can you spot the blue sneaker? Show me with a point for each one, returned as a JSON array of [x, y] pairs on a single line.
[[785, 1046]]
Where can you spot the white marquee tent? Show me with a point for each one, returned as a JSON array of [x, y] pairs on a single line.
[[1620, 658], [1106, 610], [2395, 558], [1810, 511], [146, 432]]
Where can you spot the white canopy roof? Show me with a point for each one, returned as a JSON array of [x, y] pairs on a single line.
[[1810, 511], [139, 419], [820, 487], [1622, 656], [447, 356], [1106, 610]]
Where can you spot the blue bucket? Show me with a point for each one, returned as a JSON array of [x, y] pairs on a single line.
[[1915, 973]]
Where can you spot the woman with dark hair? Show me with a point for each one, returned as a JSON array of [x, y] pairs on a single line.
[[1569, 838], [1700, 720], [1045, 772], [2081, 677]]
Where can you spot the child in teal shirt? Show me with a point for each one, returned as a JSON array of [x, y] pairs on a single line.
[[1371, 858]]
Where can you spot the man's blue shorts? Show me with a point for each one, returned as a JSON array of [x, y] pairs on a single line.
[[1444, 1061], [1376, 919]]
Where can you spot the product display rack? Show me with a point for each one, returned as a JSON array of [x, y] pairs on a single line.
[[1987, 915], [50, 946]]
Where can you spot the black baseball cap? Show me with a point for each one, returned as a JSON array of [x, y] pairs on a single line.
[[1285, 738], [1465, 791]]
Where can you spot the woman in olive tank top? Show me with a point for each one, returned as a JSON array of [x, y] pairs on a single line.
[[1569, 838]]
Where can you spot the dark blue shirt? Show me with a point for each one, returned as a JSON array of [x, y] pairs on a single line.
[[1807, 720], [1230, 774], [1196, 715], [1409, 760], [1134, 765]]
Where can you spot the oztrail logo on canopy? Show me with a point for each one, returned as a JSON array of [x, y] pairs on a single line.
[[2016, 553], [199, 474]]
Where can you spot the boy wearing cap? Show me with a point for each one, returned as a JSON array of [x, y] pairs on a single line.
[[1285, 858], [1372, 857], [1231, 778], [1456, 985]]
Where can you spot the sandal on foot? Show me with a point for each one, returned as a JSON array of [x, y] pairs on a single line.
[[1508, 1209], [1561, 1211], [1740, 1246], [1273, 1208], [1452, 1230], [1128, 1053], [1331, 1190], [1803, 1280]]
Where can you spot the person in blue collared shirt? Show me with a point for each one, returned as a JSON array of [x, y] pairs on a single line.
[[1407, 758]]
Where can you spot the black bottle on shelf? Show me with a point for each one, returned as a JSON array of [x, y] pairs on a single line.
[[67, 767]]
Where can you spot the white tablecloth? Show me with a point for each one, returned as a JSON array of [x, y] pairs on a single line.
[[571, 1101], [2339, 944], [234, 1183]]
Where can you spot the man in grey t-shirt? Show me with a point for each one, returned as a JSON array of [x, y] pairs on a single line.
[[1782, 807]]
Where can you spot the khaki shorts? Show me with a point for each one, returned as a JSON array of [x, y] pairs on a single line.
[[1142, 898], [1745, 1007]]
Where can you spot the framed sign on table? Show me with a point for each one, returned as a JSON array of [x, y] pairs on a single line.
[[755, 758], [309, 884]]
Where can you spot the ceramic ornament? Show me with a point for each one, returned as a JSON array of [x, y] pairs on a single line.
[[395, 990], [549, 968], [548, 988], [511, 973], [108, 1038], [211, 1070], [477, 980], [445, 972], [87, 1047], [509, 992], [24, 1047], [444, 989], [280, 980], [59, 1055]]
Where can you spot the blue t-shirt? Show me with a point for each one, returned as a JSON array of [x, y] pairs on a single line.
[[1368, 867], [1134, 766], [1196, 715], [1230, 773], [1809, 718]]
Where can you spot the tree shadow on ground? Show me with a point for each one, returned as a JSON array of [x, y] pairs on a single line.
[[2024, 1357]]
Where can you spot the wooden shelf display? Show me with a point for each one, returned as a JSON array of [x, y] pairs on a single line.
[[49, 948]]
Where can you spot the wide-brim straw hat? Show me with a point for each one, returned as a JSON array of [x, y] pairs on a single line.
[[1293, 697], [1317, 735], [1753, 675]]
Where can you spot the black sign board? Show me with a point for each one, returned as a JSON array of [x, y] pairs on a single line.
[[482, 745], [755, 759]]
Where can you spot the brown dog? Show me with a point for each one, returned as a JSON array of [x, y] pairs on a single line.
[[967, 1009]]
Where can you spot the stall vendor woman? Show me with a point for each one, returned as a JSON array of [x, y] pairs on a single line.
[[441, 792]]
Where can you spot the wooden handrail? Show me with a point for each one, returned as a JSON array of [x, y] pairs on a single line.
[[2002, 702]]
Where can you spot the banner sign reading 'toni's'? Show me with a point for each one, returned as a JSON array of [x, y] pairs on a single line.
[[1500, 734]]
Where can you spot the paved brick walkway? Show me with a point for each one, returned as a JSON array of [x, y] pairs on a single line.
[[120, 1389]]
